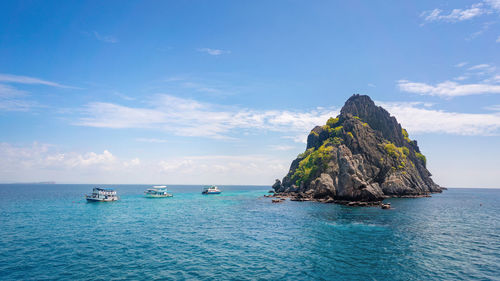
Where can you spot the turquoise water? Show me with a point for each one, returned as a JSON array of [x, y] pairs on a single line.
[[49, 232]]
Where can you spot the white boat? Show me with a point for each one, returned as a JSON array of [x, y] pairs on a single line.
[[157, 191], [102, 195], [211, 190]]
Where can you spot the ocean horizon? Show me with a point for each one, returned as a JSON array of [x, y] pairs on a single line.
[[49, 232]]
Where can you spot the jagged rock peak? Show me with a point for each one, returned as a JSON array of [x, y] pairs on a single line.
[[361, 155], [377, 117]]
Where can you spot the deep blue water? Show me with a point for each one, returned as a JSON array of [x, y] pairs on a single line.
[[49, 232]]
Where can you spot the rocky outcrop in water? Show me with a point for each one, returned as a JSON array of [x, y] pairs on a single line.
[[361, 155]]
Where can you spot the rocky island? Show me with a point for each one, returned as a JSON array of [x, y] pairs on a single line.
[[358, 158]]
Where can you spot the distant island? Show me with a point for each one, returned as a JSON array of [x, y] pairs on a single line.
[[358, 158], [40, 182]]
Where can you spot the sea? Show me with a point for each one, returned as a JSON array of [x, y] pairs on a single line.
[[49, 232]]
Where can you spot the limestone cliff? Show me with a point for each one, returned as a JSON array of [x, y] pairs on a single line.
[[361, 155]]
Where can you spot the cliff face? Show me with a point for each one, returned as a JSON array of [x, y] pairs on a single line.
[[362, 155]]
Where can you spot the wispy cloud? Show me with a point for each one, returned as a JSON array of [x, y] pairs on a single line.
[[455, 15], [9, 78], [105, 38], [187, 117], [213, 52], [44, 156], [448, 89], [209, 86], [486, 82], [419, 118], [483, 66], [151, 140], [281, 147], [40, 161], [214, 168], [495, 107], [495, 4], [12, 99], [461, 64], [484, 27]]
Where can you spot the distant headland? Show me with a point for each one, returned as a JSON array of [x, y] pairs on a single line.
[[358, 158]]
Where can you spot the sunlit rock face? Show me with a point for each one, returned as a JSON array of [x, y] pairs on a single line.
[[361, 155]]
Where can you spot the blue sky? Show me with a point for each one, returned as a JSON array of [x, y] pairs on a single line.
[[225, 92]]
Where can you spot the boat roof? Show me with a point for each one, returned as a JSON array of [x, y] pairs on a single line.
[[160, 186], [104, 189]]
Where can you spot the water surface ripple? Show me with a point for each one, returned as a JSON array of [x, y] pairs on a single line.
[[49, 232]]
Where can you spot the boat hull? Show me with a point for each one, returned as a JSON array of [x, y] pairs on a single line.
[[158, 196], [90, 199], [211, 192]]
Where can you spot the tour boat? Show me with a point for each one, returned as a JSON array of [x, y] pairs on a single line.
[[102, 195], [157, 191], [211, 190]]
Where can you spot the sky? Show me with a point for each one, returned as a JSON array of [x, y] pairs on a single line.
[[226, 92]]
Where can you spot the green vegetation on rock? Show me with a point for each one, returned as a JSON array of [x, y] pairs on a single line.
[[315, 160], [335, 140], [396, 151], [336, 131], [305, 153], [332, 121], [421, 157], [405, 135]]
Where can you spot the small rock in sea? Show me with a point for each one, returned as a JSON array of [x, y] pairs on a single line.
[[385, 206], [277, 201]]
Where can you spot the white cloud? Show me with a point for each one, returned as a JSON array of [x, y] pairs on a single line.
[[105, 38], [448, 89], [42, 161], [495, 4], [483, 66], [300, 138], [187, 117], [213, 52], [151, 140], [461, 78], [280, 147], [9, 78], [455, 15], [498, 39], [484, 7], [224, 169], [493, 79], [461, 64], [132, 163], [372, 85], [418, 118], [12, 99], [495, 107]]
